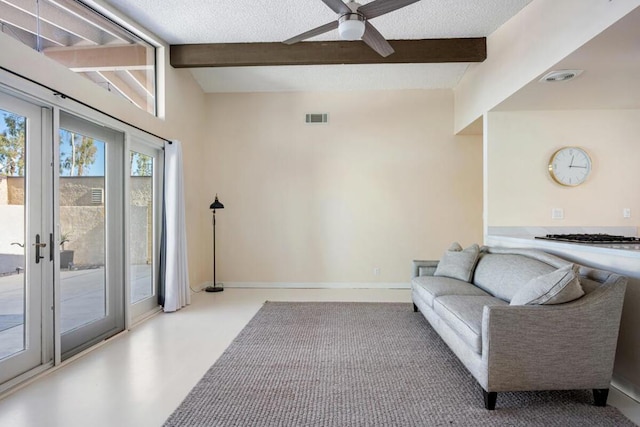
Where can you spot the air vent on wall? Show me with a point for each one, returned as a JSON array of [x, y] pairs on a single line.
[[97, 196], [561, 75], [317, 118]]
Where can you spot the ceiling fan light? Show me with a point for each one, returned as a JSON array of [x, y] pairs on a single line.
[[351, 29]]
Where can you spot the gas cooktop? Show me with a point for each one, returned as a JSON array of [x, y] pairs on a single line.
[[594, 239]]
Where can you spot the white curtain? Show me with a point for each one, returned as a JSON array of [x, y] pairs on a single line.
[[175, 271]]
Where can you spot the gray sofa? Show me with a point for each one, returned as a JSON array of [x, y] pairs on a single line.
[[540, 344]]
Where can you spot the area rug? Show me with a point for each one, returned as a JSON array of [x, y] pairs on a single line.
[[361, 364]]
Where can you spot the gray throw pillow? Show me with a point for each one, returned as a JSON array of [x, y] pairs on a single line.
[[557, 287], [457, 263]]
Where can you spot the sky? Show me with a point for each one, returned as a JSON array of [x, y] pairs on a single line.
[[95, 169]]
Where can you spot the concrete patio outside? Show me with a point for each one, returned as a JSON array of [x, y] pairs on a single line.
[[82, 302]]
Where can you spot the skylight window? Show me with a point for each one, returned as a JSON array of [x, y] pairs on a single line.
[[87, 43]]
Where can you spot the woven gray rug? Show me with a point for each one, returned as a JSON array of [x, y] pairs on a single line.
[[360, 364]]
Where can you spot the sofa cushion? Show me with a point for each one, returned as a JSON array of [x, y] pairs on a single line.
[[463, 314], [502, 275], [430, 287], [557, 287], [458, 263]]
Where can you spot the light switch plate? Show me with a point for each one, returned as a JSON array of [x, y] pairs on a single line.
[[557, 213]]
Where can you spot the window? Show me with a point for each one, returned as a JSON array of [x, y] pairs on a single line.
[[87, 43]]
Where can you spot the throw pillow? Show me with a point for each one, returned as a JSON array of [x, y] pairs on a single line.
[[557, 287], [458, 263]]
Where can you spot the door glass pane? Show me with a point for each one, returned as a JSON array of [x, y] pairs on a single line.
[[12, 233], [141, 226], [82, 230]]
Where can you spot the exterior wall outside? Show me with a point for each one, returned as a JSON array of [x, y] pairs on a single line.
[[84, 220], [76, 190], [4, 190], [81, 220], [85, 227], [13, 190], [12, 224]]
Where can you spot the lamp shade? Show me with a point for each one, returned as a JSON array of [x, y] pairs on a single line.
[[216, 204]]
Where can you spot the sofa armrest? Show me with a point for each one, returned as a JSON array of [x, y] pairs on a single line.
[[564, 346], [423, 268]]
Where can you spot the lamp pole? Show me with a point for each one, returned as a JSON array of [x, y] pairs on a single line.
[[215, 205]]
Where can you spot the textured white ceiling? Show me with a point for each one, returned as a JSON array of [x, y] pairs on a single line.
[[224, 21]]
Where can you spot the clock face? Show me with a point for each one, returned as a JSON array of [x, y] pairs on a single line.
[[570, 166]]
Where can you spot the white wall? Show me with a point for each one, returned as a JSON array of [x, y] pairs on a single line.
[[520, 190], [385, 182], [542, 34]]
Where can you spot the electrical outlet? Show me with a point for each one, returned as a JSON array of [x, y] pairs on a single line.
[[557, 213], [376, 271], [626, 213]]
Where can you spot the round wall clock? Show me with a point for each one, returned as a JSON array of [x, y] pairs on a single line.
[[570, 166]]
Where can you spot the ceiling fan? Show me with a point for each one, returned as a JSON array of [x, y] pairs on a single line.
[[353, 23]]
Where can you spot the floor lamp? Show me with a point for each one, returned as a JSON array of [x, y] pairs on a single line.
[[215, 205]]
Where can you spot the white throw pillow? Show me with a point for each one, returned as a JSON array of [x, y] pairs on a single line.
[[557, 287], [458, 263]]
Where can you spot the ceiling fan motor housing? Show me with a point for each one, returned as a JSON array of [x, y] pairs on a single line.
[[353, 23], [351, 26]]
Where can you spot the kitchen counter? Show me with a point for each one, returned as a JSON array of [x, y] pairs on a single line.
[[624, 250]]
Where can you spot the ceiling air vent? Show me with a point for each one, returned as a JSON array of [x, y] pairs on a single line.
[[561, 75], [317, 118]]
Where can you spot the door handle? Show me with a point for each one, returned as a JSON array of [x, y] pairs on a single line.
[[39, 245]]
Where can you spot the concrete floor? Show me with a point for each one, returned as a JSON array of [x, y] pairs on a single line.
[[139, 377]]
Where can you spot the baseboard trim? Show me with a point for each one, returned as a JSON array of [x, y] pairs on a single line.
[[627, 388], [313, 285]]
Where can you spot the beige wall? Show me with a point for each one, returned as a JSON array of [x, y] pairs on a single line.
[[182, 120], [520, 190], [539, 36], [383, 183]]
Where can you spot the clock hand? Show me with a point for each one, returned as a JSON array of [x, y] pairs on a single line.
[[571, 164]]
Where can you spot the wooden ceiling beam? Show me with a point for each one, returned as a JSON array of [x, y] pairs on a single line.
[[327, 52]]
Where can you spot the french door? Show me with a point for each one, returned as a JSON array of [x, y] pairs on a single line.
[[79, 226], [26, 261], [91, 230], [144, 188]]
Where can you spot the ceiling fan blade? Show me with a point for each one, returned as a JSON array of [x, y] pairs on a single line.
[[375, 40], [337, 6], [380, 7], [311, 33]]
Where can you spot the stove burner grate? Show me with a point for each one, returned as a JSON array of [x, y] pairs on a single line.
[[591, 238]]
